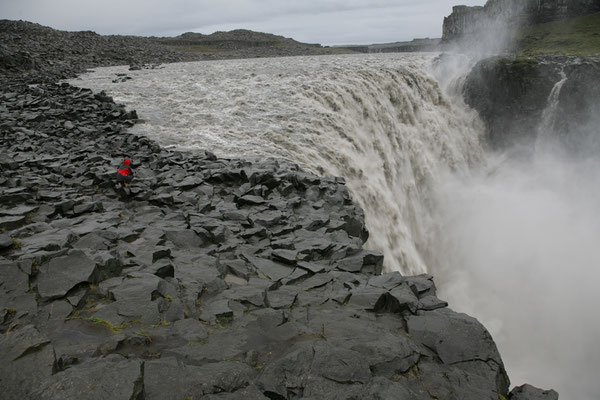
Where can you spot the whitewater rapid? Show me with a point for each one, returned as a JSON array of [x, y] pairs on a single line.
[[380, 121], [510, 238]]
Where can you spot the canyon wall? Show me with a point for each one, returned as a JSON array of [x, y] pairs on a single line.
[[465, 21], [512, 96]]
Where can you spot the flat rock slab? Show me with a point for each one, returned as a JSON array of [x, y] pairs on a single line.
[[185, 381], [12, 279], [270, 269], [185, 239], [92, 241], [5, 241], [454, 337], [20, 210], [340, 365], [284, 297], [52, 240], [107, 378], [26, 356], [12, 222], [134, 297], [61, 274], [366, 298]]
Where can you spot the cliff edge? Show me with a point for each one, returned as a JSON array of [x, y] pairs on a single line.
[[465, 21], [545, 79]]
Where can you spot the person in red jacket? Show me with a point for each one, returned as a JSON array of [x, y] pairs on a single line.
[[125, 173]]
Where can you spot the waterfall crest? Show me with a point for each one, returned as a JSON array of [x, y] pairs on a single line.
[[546, 126], [512, 241], [382, 122]]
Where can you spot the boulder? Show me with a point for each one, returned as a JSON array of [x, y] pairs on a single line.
[[269, 269], [61, 274], [528, 392], [185, 239], [452, 336], [110, 377], [27, 357], [5, 241]]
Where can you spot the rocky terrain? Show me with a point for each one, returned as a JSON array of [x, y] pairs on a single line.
[[207, 279], [40, 53]]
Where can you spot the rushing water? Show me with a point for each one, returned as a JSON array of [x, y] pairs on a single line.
[[510, 239], [381, 122]]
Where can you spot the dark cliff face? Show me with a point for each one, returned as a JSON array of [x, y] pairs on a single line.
[[511, 96], [465, 21], [577, 118]]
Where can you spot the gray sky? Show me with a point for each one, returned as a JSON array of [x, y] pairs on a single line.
[[314, 21]]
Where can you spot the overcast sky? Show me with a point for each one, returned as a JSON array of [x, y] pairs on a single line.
[[314, 21]]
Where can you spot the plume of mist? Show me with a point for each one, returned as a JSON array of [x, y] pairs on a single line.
[[518, 249], [517, 245], [489, 30], [483, 32]]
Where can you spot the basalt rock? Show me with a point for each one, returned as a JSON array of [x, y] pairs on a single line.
[[528, 392], [472, 21], [512, 95]]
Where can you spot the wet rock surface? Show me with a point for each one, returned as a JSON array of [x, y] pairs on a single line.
[[208, 278], [512, 94]]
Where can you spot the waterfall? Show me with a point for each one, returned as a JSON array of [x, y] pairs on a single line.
[[546, 125], [517, 248], [510, 240], [380, 121]]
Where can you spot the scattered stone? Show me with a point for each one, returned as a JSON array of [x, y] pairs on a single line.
[[110, 377], [5, 241]]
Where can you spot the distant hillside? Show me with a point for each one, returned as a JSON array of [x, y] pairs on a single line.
[[41, 52], [243, 43], [31, 48], [397, 47]]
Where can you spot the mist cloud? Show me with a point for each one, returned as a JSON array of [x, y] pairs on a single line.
[[519, 251]]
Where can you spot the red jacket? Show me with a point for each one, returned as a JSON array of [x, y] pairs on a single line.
[[124, 170]]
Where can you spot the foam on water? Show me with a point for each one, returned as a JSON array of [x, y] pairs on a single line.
[[381, 122]]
